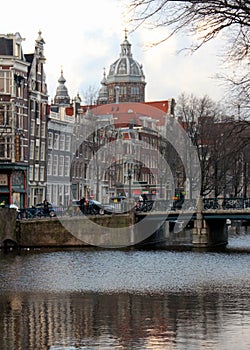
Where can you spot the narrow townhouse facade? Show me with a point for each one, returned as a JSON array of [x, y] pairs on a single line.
[[60, 133], [37, 111], [14, 121]]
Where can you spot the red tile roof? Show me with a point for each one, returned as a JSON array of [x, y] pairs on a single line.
[[127, 113]]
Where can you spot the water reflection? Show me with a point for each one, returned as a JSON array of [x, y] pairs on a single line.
[[97, 299], [125, 321]]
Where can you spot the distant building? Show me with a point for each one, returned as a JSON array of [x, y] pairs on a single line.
[[59, 146]]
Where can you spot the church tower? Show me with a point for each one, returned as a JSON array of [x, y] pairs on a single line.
[[125, 81], [62, 97]]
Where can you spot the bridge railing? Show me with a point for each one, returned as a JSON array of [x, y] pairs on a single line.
[[159, 205], [191, 204], [226, 203], [168, 205]]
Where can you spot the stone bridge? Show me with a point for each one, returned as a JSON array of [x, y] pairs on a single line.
[[208, 228]]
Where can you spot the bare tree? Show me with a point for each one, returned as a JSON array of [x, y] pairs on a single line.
[[203, 21], [90, 95], [221, 143], [205, 18]]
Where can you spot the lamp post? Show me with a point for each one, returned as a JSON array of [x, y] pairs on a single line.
[[129, 182], [161, 176]]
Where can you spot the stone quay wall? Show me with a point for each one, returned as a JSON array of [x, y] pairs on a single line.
[[65, 232]]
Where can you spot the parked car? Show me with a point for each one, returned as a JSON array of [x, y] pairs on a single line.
[[31, 213], [40, 206]]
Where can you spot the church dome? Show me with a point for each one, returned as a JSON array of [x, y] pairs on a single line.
[[125, 81], [125, 68]]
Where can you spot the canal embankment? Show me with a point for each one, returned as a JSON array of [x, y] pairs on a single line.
[[106, 230]]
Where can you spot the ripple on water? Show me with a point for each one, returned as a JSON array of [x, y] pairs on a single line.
[[126, 271]]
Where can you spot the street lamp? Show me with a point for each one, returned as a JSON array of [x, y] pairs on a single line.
[[161, 176], [129, 182]]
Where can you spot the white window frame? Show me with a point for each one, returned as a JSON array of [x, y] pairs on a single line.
[[61, 166], [67, 142], [55, 165], [56, 141]]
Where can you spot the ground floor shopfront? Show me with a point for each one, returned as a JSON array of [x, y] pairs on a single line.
[[13, 184]]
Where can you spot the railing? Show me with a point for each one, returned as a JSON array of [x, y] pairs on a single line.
[[191, 204], [166, 205], [141, 207], [226, 203]]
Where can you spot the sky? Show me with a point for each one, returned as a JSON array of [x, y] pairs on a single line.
[[83, 37]]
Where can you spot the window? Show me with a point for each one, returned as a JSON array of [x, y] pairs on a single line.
[[43, 129], [56, 141], [37, 153], [38, 130], [123, 90], [55, 165], [66, 166], [32, 104], [5, 114], [41, 173], [36, 172], [31, 170], [5, 82], [32, 127], [62, 142], [49, 165], [134, 90], [5, 147], [50, 140], [42, 155], [61, 165], [67, 143], [20, 118], [54, 193], [32, 149]]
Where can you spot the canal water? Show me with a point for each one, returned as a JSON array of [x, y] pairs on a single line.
[[130, 299]]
